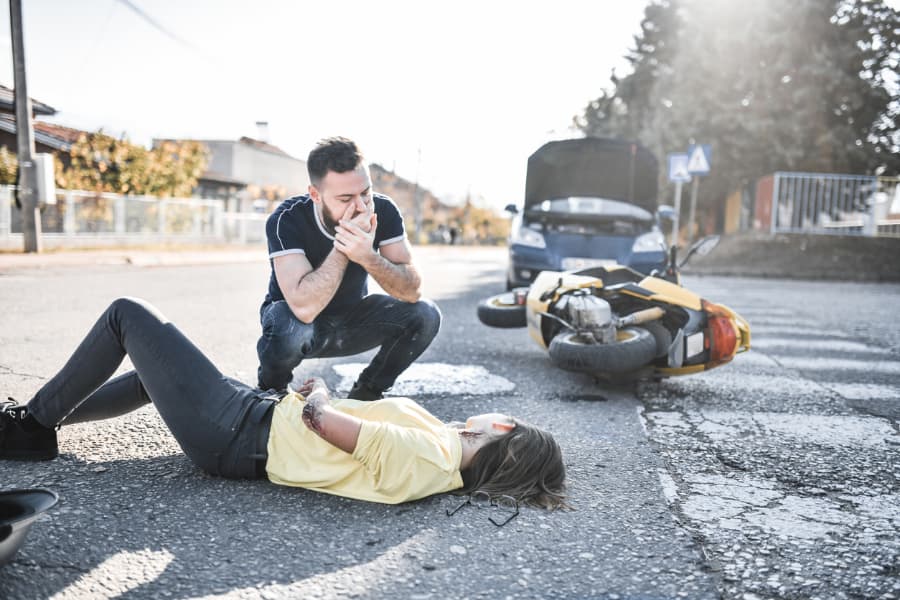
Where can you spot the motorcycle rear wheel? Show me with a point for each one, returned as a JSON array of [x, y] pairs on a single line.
[[501, 311], [633, 348]]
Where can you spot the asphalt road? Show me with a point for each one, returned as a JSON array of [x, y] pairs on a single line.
[[775, 476]]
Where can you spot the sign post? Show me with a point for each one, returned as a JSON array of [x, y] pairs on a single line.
[[698, 164], [678, 174]]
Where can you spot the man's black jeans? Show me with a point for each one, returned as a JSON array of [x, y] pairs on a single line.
[[402, 329], [221, 424]]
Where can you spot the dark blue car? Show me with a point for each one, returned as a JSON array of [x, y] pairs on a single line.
[[588, 202]]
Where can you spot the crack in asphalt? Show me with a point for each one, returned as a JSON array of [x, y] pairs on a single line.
[[49, 565], [4, 370]]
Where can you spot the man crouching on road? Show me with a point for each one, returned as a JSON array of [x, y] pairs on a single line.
[[322, 247]]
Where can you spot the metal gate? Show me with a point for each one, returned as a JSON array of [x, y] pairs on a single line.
[[835, 204]]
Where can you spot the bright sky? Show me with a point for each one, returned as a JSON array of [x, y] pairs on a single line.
[[455, 94]]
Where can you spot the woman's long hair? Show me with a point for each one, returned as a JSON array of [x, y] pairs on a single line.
[[525, 463]]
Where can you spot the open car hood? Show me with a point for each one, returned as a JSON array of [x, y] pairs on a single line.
[[592, 167]]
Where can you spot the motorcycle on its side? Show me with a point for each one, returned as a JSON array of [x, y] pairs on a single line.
[[617, 324]]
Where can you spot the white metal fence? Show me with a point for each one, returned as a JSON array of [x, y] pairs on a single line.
[[836, 204], [81, 218]]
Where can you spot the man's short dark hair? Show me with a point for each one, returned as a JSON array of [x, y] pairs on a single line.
[[337, 154]]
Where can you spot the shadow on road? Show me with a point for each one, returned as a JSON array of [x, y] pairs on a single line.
[[170, 530]]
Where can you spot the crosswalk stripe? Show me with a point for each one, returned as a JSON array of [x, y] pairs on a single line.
[[763, 312], [773, 386], [776, 386], [788, 321], [759, 329], [839, 364], [817, 344], [432, 378], [823, 430], [865, 391]]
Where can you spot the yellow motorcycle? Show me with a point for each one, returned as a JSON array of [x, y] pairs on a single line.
[[615, 323]]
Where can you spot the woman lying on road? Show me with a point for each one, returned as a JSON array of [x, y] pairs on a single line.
[[390, 450]]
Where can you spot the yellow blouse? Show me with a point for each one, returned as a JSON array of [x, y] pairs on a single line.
[[403, 452]]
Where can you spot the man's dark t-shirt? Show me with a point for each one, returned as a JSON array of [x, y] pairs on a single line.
[[295, 228]]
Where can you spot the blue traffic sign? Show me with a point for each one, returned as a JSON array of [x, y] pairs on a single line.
[[699, 159], [678, 168]]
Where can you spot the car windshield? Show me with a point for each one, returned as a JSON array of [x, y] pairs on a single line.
[[593, 206]]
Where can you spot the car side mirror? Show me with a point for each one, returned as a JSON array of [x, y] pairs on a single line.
[[511, 208]]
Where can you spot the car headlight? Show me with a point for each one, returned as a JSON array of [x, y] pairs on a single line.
[[527, 237], [652, 241]]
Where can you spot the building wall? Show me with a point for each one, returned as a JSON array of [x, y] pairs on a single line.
[[221, 157], [267, 169], [762, 218], [732, 221]]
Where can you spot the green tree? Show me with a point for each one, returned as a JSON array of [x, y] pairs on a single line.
[[102, 163], [803, 85], [9, 166], [174, 167]]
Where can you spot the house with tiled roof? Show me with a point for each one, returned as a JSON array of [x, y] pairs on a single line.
[[47, 136], [8, 103]]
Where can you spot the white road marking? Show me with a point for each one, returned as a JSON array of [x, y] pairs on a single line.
[[716, 504], [761, 313], [821, 430], [765, 343], [865, 391], [840, 364], [732, 381], [746, 502], [433, 378], [756, 359], [669, 488], [788, 321], [758, 330]]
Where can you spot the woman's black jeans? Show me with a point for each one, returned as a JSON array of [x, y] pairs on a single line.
[[221, 424], [404, 331]]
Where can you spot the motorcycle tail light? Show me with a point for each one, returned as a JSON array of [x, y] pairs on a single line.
[[721, 333]]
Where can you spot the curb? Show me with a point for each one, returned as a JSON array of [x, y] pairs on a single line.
[[138, 258]]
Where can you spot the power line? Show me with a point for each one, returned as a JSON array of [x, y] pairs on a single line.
[[156, 25]]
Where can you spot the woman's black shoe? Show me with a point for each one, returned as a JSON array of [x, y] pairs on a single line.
[[23, 438]]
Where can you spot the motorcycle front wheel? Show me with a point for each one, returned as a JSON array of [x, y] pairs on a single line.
[[634, 347]]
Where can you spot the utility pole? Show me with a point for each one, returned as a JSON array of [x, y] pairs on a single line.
[[27, 186]]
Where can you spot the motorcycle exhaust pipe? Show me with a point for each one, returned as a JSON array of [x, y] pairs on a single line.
[[641, 316]]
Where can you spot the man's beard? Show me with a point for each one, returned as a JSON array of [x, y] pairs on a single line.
[[328, 221]]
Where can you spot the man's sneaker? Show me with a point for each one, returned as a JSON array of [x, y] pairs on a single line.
[[22, 439], [363, 391]]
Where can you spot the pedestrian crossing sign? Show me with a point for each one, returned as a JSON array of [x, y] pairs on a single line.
[[698, 159], [678, 168]]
